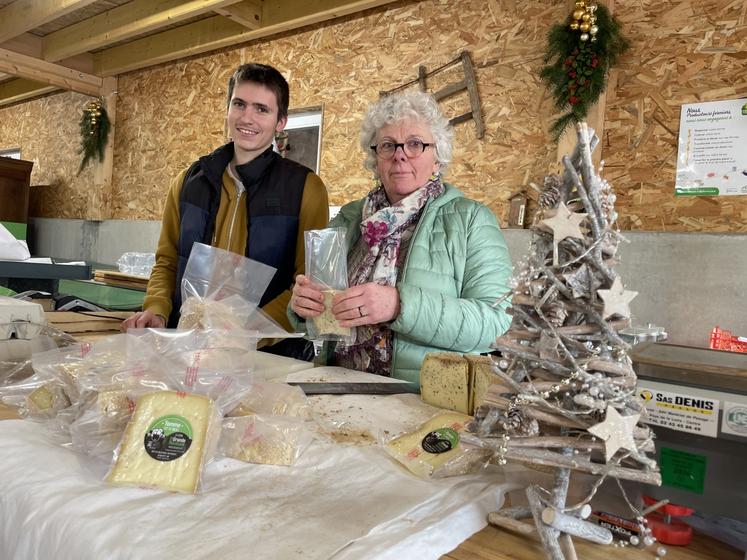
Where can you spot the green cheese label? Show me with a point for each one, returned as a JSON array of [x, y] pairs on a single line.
[[440, 441], [168, 438], [682, 470]]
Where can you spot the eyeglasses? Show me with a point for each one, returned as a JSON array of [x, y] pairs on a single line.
[[412, 148]]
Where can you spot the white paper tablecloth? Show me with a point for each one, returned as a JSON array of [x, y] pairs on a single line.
[[338, 501]]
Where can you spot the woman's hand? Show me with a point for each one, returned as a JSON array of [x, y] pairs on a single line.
[[143, 320], [366, 304], [307, 299]]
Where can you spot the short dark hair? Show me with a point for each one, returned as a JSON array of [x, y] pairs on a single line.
[[264, 75]]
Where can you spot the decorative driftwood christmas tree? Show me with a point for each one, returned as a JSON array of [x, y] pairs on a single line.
[[565, 394]]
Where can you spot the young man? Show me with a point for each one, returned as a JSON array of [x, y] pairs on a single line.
[[244, 198]]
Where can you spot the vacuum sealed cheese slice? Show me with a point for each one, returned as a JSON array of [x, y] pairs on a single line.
[[444, 381], [164, 445], [438, 449]]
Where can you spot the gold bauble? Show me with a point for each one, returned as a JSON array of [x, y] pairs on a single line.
[[593, 39], [593, 20], [584, 36], [593, 8], [586, 16], [580, 4], [574, 26], [584, 26], [578, 14], [593, 30]]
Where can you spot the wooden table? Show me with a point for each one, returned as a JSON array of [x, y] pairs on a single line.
[[497, 544]]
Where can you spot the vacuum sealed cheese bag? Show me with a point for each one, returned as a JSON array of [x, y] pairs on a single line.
[[167, 442], [439, 448], [275, 399], [327, 266], [266, 440]]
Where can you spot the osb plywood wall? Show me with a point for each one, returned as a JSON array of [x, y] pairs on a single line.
[[46, 131], [683, 52], [169, 115], [172, 114]]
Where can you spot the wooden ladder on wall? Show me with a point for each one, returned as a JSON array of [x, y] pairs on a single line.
[[469, 83]]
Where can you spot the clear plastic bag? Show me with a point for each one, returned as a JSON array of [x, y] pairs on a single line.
[[267, 440], [216, 274], [137, 264], [172, 434], [440, 447], [38, 397], [276, 399], [214, 363], [327, 266], [222, 290]]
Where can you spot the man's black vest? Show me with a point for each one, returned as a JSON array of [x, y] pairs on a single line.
[[274, 189]]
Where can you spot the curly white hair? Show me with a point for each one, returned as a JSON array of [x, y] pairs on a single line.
[[394, 108]]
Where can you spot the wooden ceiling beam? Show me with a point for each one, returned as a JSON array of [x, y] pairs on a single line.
[[247, 13], [121, 23], [283, 15], [23, 15], [218, 32], [31, 45], [48, 73], [21, 89]]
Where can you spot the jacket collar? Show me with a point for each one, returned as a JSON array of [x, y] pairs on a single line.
[[252, 172], [214, 164]]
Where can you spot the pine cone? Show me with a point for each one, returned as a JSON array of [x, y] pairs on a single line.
[[556, 314], [551, 191]]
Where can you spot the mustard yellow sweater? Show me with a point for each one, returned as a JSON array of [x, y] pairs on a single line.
[[231, 234]]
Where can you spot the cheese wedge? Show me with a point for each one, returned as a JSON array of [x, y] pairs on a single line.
[[435, 443], [164, 445], [46, 400], [444, 381], [481, 376]]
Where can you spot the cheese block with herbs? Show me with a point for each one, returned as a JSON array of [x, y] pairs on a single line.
[[326, 324], [444, 381], [164, 445], [481, 377]]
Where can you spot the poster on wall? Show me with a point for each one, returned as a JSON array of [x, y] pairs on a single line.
[[712, 159]]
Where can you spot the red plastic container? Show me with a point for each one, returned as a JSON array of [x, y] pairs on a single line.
[[724, 340], [664, 528]]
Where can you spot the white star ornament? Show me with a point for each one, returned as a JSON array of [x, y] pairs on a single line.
[[616, 431]]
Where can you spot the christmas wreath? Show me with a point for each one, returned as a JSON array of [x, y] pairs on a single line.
[[94, 132], [578, 58]]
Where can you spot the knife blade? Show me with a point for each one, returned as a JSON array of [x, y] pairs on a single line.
[[344, 388]]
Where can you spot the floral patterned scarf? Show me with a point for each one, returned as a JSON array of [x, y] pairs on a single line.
[[382, 229]]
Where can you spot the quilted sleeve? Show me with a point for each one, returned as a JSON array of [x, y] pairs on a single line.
[[473, 320]]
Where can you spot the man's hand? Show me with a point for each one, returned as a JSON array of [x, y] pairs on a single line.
[[367, 304], [143, 320], [307, 299]]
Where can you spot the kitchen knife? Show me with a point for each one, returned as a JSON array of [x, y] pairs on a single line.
[[345, 388]]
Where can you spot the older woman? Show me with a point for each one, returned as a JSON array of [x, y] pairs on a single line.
[[425, 264]]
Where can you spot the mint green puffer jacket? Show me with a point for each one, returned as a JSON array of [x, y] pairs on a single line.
[[456, 268]]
